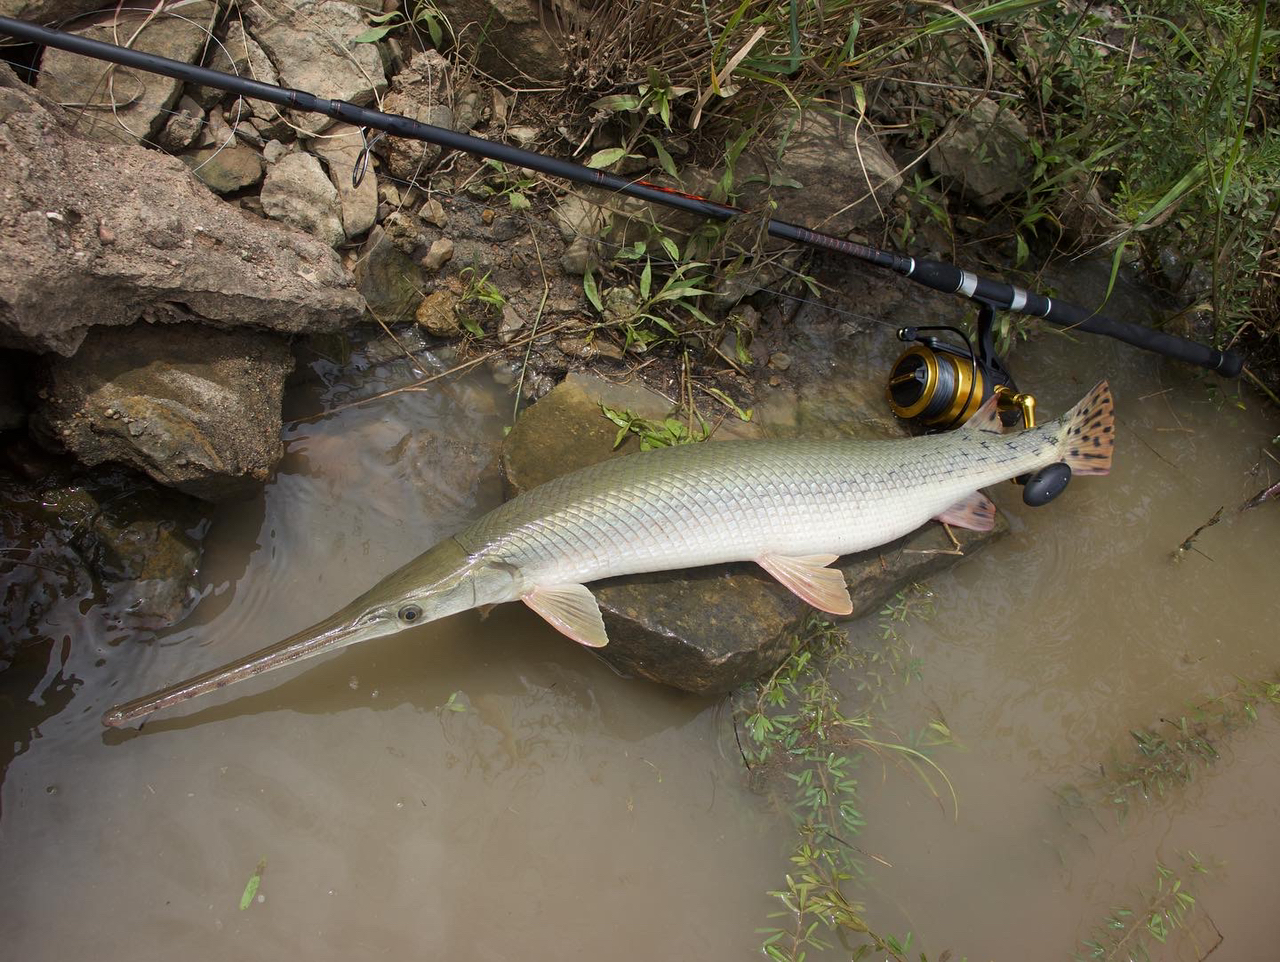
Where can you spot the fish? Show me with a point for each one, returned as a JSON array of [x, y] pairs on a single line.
[[791, 506]]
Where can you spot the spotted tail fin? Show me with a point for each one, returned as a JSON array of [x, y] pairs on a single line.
[[1088, 433]]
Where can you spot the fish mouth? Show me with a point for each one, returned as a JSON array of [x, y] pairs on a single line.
[[333, 633]]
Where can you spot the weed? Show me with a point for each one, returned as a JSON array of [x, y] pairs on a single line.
[[645, 315], [798, 722], [1127, 933], [480, 299], [653, 434], [426, 15]]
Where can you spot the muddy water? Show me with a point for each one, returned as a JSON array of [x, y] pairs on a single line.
[[485, 789]]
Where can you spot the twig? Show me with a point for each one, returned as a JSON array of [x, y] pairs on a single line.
[[1189, 543]]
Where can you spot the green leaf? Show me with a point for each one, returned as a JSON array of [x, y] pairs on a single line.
[[593, 293], [664, 159], [374, 34], [617, 102], [646, 280], [670, 247], [518, 201], [603, 158], [251, 887]]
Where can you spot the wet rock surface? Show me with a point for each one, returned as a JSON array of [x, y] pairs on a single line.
[[109, 543], [706, 629], [194, 408], [130, 232]]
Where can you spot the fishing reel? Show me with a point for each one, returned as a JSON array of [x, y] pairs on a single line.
[[939, 385]]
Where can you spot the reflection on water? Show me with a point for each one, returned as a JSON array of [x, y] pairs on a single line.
[[484, 789]]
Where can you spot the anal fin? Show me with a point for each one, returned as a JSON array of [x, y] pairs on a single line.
[[810, 579], [975, 512], [572, 610]]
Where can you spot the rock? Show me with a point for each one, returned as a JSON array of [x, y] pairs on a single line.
[[144, 99], [838, 165], [112, 536], [129, 231], [707, 629], [437, 314], [779, 361], [241, 55], [509, 325], [420, 91], [512, 38], [433, 213], [273, 150], [183, 126], [194, 408], [340, 147], [298, 192], [312, 45], [226, 169], [440, 254], [579, 257], [390, 280], [588, 348], [986, 153]]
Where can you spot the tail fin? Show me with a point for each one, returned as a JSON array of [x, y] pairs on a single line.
[[1088, 433]]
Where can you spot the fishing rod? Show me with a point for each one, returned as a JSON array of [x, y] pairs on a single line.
[[937, 383]]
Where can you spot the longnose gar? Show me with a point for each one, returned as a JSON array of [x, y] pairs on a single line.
[[793, 507]]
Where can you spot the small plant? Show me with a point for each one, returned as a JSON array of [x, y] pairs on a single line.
[[654, 434], [645, 315], [477, 292], [426, 15], [1127, 934]]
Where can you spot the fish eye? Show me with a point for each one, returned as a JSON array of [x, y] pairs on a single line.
[[410, 613]]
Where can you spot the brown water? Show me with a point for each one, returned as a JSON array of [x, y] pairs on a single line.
[[568, 813]]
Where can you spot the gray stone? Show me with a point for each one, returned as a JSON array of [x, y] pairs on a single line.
[[273, 150], [707, 629], [241, 55], [512, 38], [441, 253], [985, 153], [298, 192], [226, 169], [143, 99], [421, 92], [312, 45], [340, 147], [510, 324], [132, 233], [183, 126], [194, 408]]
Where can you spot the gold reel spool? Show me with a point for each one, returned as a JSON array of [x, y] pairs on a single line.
[[934, 387]]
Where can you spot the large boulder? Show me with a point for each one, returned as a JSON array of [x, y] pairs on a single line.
[[195, 408], [706, 629], [100, 234], [126, 106]]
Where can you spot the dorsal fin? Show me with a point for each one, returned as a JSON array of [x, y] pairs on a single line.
[[987, 418]]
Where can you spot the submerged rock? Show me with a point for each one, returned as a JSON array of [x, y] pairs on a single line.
[[707, 629], [129, 231], [194, 408]]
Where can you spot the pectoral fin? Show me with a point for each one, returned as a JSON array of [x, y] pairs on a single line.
[[572, 610], [976, 512], [811, 579]]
